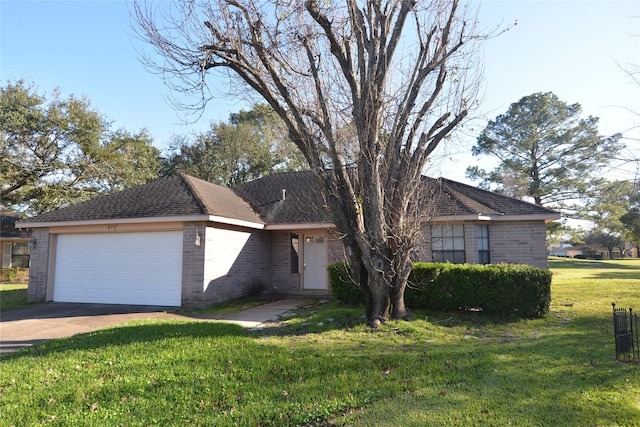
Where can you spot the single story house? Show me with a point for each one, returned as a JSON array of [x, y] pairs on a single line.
[[14, 243], [565, 250], [182, 241]]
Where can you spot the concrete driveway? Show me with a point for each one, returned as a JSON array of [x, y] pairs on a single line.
[[26, 326]]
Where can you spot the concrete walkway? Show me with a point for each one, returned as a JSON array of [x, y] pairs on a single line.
[[256, 316], [26, 326]]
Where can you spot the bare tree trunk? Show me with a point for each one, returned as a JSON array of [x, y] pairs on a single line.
[[380, 304], [365, 105], [398, 309]]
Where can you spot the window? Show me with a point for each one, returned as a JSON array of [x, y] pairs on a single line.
[[447, 243], [482, 235], [295, 248], [15, 255]]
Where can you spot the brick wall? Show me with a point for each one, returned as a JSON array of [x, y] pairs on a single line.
[[517, 242], [282, 279], [336, 248], [229, 263], [520, 242], [193, 265], [39, 265]]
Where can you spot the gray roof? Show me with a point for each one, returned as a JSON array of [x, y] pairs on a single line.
[[8, 231], [455, 198], [304, 203], [261, 201], [179, 195]]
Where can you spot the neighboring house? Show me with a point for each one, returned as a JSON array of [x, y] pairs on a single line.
[[631, 250], [14, 243], [566, 250], [182, 241]]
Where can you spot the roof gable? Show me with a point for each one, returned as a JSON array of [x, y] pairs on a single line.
[[473, 200], [279, 199], [286, 198], [304, 203], [176, 196]]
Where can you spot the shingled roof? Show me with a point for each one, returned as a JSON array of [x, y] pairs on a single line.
[[177, 196], [457, 199], [303, 202], [278, 199], [286, 198], [8, 219]]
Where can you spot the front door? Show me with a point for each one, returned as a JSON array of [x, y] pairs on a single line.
[[315, 262]]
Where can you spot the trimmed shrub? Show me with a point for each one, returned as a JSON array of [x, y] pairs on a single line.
[[502, 289], [14, 275], [343, 288]]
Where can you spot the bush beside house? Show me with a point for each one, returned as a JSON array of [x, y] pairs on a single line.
[[14, 275], [502, 289]]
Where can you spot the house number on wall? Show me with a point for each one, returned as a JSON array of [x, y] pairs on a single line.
[[112, 227]]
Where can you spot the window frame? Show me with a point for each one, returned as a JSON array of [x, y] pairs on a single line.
[[294, 240], [17, 256], [483, 243], [448, 243]]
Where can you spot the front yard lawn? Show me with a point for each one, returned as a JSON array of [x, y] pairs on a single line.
[[323, 366], [13, 295]]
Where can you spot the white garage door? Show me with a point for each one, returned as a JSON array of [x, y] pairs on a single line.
[[119, 268]]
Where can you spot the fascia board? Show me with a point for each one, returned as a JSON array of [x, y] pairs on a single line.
[[238, 222], [299, 226], [185, 218], [496, 217]]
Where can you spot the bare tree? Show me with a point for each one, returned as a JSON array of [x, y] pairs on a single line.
[[400, 74]]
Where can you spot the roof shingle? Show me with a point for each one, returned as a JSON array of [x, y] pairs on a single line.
[[261, 201], [179, 195]]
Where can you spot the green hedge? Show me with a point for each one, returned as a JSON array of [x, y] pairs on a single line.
[[343, 288], [502, 289]]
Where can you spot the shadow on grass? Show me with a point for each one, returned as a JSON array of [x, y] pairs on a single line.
[[621, 264], [622, 275], [565, 375], [299, 322], [624, 269], [14, 298], [127, 334]]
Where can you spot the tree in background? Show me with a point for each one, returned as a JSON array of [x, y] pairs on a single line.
[[631, 218], [546, 151], [402, 74], [602, 238], [250, 145], [55, 152], [605, 210]]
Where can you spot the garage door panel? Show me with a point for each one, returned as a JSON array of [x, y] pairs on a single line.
[[122, 268]]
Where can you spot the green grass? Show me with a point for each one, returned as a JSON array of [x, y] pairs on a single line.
[[232, 306], [323, 366], [13, 295]]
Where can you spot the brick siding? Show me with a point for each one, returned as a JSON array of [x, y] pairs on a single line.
[[229, 263], [521, 242], [39, 266], [517, 242], [282, 279]]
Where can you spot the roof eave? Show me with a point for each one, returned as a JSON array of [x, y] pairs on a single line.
[[182, 218], [547, 217], [300, 226], [238, 222]]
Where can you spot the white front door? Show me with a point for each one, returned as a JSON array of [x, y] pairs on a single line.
[[315, 262]]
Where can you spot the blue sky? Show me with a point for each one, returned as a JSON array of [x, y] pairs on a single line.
[[571, 48]]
